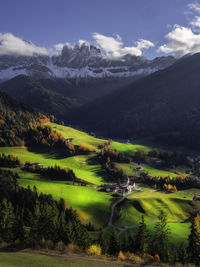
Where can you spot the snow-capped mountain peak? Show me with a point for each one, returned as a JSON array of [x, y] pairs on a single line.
[[83, 60]]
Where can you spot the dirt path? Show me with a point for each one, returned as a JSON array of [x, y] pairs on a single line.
[[80, 258], [112, 211], [126, 227]]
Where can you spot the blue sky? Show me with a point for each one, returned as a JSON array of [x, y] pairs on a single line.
[[50, 22]]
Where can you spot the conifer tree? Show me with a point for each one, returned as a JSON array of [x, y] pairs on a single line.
[[125, 243], [7, 220], [101, 241], [141, 237], [113, 246], [194, 241], [161, 238], [131, 243], [182, 253]]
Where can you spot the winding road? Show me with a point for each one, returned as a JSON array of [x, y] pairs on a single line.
[[125, 228]]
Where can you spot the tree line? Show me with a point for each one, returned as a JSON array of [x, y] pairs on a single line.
[[154, 246], [28, 217]]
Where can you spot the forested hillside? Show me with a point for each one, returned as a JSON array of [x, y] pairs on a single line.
[[164, 105], [31, 92]]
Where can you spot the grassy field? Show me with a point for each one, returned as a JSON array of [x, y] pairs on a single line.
[[130, 148], [94, 206], [47, 157], [91, 204], [178, 207], [12, 259], [79, 137], [128, 169]]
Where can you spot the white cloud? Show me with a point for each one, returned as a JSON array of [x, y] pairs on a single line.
[[194, 6], [114, 47], [195, 22], [181, 41], [10, 44]]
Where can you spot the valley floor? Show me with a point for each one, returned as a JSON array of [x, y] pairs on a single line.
[[95, 206]]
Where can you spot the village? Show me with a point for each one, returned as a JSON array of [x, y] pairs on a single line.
[[122, 189]]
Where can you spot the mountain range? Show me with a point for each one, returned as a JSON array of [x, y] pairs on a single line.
[[81, 61], [160, 101]]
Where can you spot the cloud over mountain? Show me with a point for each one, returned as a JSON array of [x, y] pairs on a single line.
[[181, 41], [10, 44], [114, 47]]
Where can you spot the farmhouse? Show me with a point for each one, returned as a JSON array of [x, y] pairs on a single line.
[[196, 197], [36, 165], [69, 140], [111, 188]]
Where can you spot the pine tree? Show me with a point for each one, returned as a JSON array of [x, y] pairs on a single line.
[[141, 237], [182, 254], [161, 238], [194, 241], [125, 243], [113, 246], [131, 243], [7, 221], [102, 243]]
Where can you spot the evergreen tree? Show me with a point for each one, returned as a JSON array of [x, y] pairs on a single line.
[[131, 243], [7, 221], [113, 246], [182, 254], [161, 238], [141, 237], [194, 241], [125, 247], [101, 241]]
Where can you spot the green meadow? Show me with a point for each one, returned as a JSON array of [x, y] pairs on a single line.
[[79, 137], [92, 205], [95, 206], [47, 157], [178, 207]]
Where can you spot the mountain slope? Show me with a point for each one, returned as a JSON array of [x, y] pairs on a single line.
[[14, 120], [164, 104], [31, 92]]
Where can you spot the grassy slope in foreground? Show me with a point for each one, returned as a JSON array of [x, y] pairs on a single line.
[[21, 259]]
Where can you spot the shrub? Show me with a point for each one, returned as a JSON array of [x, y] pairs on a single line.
[[72, 248], [60, 246], [121, 256], [3, 244], [94, 250], [148, 258], [133, 257], [49, 244], [157, 258]]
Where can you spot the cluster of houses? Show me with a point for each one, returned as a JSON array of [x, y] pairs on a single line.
[[121, 190], [196, 197], [37, 165]]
